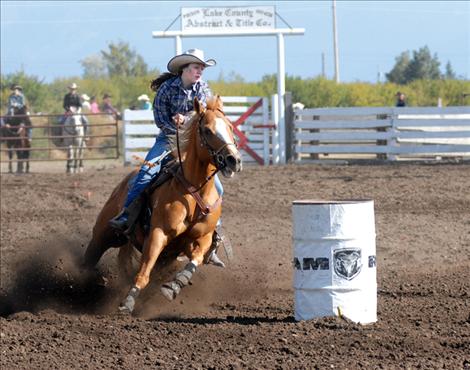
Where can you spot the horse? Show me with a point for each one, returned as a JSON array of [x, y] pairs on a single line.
[[73, 133], [15, 133], [185, 208]]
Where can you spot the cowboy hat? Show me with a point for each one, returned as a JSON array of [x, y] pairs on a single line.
[[85, 97], [189, 56], [73, 86], [14, 87], [143, 97]]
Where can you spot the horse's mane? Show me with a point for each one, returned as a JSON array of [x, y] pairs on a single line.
[[185, 131]]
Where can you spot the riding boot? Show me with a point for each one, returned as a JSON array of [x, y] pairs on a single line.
[[125, 220]]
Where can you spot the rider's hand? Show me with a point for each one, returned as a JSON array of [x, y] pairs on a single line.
[[178, 119], [7, 125]]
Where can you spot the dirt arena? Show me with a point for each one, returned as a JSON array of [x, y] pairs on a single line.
[[240, 317]]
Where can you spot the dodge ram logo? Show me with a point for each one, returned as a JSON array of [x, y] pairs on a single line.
[[347, 262]]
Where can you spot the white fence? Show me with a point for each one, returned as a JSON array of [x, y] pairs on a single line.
[[140, 130], [385, 133]]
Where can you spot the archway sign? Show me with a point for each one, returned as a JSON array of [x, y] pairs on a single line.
[[235, 22]]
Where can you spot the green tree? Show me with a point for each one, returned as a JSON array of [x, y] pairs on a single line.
[[34, 89], [449, 74], [422, 66], [123, 61], [94, 66], [397, 74]]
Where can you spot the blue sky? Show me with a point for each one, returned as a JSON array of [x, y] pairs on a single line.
[[49, 38]]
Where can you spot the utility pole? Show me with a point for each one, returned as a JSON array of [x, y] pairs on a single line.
[[335, 43], [323, 73]]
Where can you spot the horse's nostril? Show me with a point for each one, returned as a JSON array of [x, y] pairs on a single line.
[[231, 161]]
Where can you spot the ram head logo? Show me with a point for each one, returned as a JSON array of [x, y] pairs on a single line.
[[347, 262]]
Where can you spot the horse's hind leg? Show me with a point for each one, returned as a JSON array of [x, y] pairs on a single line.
[[10, 160], [103, 239], [19, 163]]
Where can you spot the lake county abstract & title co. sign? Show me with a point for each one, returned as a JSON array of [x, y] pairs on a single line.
[[228, 18]]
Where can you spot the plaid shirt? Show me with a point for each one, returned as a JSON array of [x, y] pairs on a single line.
[[173, 98]]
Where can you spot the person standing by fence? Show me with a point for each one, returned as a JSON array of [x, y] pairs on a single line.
[[400, 100]]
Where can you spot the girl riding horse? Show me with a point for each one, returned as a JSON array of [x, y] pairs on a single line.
[[173, 103], [185, 208]]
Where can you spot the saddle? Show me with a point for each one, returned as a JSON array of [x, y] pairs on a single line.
[[140, 211]]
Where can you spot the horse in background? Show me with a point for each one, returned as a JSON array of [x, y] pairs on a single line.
[[16, 133], [73, 133], [184, 209]]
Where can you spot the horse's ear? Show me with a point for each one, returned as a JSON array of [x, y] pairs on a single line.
[[198, 106], [218, 102]]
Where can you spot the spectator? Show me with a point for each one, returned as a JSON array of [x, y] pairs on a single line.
[[401, 99], [16, 99], [108, 107], [85, 102], [145, 102], [94, 105]]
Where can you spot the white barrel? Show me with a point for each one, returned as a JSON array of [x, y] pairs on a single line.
[[335, 270]]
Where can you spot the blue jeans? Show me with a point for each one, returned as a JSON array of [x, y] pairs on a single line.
[[147, 173]]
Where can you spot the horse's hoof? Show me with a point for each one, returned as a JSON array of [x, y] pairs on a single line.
[[168, 291], [123, 310], [80, 170], [127, 307]]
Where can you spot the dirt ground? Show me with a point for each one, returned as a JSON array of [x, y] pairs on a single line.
[[240, 317]]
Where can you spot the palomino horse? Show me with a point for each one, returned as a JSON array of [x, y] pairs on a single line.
[[185, 209], [15, 133], [74, 140]]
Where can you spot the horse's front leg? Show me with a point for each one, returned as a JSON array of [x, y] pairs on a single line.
[[80, 155], [152, 249], [69, 159], [200, 247]]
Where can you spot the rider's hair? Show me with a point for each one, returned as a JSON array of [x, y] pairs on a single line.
[[155, 84]]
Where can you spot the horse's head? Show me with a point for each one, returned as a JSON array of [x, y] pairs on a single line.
[[216, 135]]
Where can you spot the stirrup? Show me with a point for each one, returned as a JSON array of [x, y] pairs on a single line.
[[133, 212], [120, 225]]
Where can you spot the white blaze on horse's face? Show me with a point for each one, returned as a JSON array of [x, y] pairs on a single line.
[[232, 157], [221, 130]]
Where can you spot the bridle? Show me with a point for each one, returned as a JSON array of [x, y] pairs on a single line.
[[219, 164], [217, 158]]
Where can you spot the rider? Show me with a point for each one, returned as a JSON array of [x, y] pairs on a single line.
[[72, 99], [16, 99], [173, 103]]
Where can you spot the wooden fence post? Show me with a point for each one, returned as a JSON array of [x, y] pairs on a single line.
[[315, 142], [382, 156], [289, 125]]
